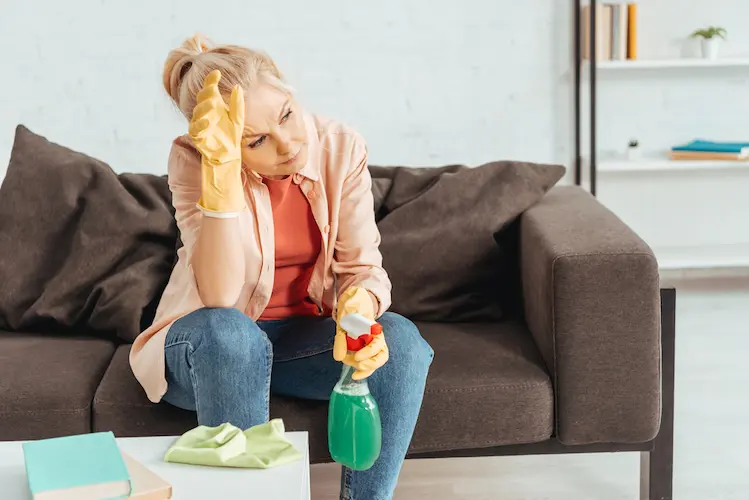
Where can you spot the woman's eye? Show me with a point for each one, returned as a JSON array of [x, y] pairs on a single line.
[[259, 142], [286, 116]]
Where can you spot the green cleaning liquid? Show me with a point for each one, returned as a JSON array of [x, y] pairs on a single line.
[[354, 427]]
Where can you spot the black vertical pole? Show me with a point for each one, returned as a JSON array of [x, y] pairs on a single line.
[[593, 60], [578, 61]]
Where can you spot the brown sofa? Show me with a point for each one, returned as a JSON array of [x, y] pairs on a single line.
[[586, 367], [543, 308]]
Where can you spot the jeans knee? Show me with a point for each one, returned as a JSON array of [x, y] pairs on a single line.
[[405, 343], [230, 335]]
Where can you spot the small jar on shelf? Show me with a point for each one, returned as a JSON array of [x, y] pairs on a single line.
[[633, 150]]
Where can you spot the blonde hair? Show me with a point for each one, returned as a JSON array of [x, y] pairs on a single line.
[[187, 66]]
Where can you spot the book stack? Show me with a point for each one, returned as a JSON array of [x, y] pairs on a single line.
[[711, 150], [616, 31], [88, 467]]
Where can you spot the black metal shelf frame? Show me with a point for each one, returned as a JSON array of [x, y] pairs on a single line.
[[578, 98]]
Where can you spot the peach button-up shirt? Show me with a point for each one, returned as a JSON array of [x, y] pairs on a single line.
[[337, 184]]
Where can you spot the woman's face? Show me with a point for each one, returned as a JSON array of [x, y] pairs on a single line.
[[275, 138]]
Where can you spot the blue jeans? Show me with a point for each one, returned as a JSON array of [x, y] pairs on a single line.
[[223, 365]]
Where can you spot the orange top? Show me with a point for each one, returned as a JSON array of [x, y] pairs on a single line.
[[298, 243]]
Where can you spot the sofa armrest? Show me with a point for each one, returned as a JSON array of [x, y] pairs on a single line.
[[592, 304]]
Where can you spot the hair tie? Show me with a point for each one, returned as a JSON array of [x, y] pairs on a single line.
[[201, 40]]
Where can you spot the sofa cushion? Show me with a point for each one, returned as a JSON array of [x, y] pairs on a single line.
[[82, 249], [441, 229], [487, 387], [121, 405], [47, 383]]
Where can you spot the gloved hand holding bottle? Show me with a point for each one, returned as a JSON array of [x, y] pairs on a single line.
[[216, 131], [372, 356], [354, 425]]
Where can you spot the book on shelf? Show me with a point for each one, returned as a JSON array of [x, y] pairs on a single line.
[[616, 31], [87, 467], [700, 149]]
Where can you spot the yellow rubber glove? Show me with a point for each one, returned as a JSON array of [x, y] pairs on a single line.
[[216, 132], [370, 357]]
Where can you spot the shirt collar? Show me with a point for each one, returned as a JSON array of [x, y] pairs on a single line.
[[311, 169]]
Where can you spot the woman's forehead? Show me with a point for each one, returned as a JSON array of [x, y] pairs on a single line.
[[263, 103]]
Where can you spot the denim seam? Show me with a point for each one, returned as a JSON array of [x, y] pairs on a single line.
[[178, 342], [346, 487], [269, 367], [304, 354], [193, 376]]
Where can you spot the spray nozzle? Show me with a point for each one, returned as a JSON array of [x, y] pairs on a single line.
[[359, 330]]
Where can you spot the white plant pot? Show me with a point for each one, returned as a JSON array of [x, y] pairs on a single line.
[[633, 154], [710, 47]]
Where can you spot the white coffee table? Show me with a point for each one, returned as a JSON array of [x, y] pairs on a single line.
[[286, 482]]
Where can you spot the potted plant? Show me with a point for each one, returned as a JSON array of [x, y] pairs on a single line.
[[633, 150], [711, 38]]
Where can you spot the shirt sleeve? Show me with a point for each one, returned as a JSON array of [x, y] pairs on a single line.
[[184, 183], [358, 261]]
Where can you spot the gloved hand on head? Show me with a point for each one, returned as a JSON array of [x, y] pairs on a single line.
[[216, 131], [372, 356]]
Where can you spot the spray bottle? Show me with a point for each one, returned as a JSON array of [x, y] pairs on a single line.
[[354, 427]]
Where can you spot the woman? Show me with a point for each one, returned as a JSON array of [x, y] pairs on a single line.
[[276, 217]]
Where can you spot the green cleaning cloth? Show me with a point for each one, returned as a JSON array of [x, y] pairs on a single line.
[[259, 447]]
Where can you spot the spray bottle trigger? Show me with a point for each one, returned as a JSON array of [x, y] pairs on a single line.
[[359, 330]]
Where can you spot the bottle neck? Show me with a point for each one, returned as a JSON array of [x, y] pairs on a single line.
[[347, 385]]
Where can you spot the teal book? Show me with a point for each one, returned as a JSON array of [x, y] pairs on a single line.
[[81, 467], [713, 147]]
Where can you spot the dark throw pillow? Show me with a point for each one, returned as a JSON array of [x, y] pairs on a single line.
[[82, 249], [447, 235]]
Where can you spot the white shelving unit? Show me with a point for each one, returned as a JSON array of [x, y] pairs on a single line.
[[694, 221], [665, 165], [703, 258], [684, 214], [671, 63]]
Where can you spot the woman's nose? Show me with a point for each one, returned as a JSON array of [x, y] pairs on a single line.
[[284, 143]]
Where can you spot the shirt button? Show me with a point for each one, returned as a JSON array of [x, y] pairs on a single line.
[[326, 229], [311, 195]]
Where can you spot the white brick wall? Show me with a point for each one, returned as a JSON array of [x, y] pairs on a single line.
[[425, 82]]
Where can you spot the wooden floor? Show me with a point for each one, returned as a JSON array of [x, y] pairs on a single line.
[[712, 426]]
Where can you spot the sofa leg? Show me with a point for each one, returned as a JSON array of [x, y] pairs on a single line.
[[657, 465]]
